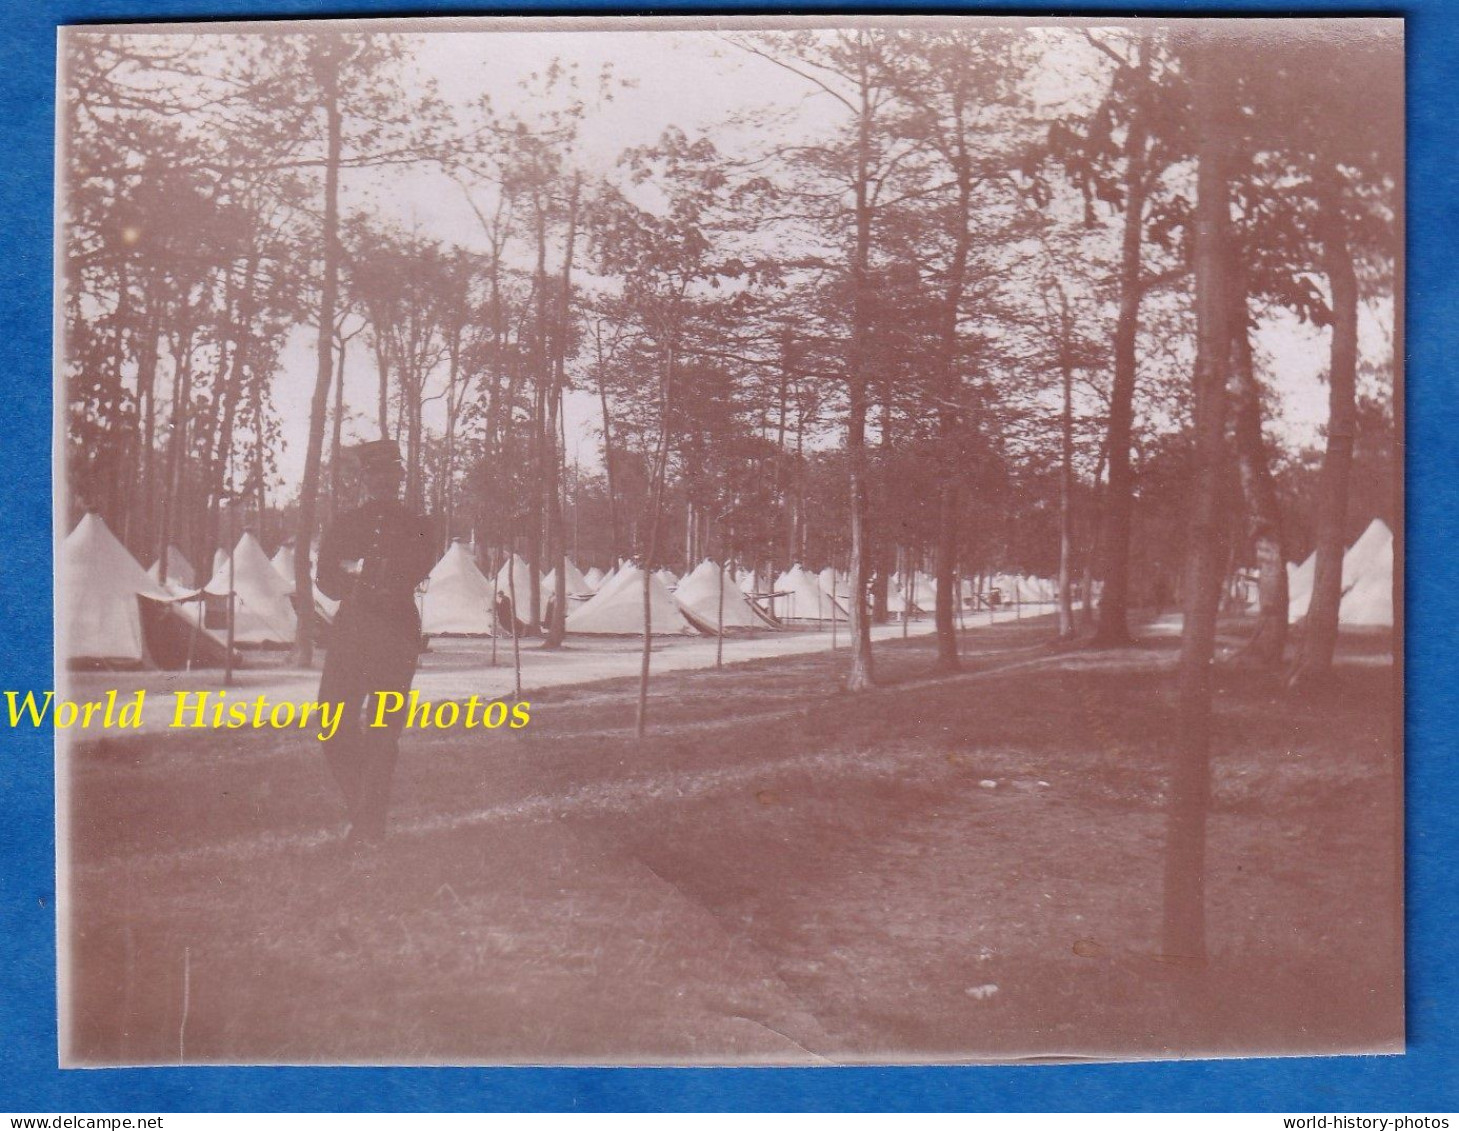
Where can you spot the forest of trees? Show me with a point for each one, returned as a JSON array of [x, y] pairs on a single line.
[[950, 321]]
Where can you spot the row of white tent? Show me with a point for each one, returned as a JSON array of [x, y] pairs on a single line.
[[1367, 581], [103, 584], [458, 595], [459, 599]]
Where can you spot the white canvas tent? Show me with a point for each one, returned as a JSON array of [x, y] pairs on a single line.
[[699, 594], [800, 597], [668, 578], [1367, 552], [515, 578], [577, 585], [181, 577], [100, 583], [262, 611], [835, 583], [283, 563], [1299, 587], [112, 611], [594, 578], [617, 609], [459, 599], [1373, 551], [1369, 603]]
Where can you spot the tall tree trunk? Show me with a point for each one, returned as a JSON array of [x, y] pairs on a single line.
[[382, 369], [948, 420], [656, 488], [1320, 629], [414, 492], [329, 68], [862, 674], [124, 481], [541, 439], [613, 542], [146, 393], [177, 441], [446, 487], [1263, 512], [230, 377], [1092, 543], [257, 477], [1183, 933], [557, 625], [1113, 627], [337, 420], [1066, 479]]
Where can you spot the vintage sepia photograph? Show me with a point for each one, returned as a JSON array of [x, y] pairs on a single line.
[[728, 541]]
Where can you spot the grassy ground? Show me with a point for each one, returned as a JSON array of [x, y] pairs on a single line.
[[948, 868]]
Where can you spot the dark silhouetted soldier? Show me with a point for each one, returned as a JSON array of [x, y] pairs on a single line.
[[371, 560]]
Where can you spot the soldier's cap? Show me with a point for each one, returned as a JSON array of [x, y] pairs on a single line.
[[378, 455]]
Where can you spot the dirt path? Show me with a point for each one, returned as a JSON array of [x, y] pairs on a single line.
[[456, 668]]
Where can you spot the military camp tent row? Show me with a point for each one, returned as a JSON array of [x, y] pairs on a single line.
[[115, 612]]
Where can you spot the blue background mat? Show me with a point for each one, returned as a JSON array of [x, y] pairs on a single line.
[[1426, 1079]]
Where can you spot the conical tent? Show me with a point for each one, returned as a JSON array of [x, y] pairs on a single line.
[[594, 578], [283, 563], [515, 578], [924, 592], [99, 584], [180, 574], [607, 579], [459, 598], [802, 598], [262, 611], [699, 595], [896, 599], [1369, 603], [617, 609], [577, 584], [668, 578], [1368, 551], [1299, 587], [835, 582]]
